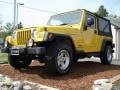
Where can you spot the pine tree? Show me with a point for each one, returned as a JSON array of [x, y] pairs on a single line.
[[102, 11]]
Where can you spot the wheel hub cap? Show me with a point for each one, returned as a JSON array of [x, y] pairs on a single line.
[[63, 59], [109, 55]]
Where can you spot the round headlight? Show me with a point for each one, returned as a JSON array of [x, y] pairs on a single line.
[[30, 43], [34, 33], [14, 35], [6, 44]]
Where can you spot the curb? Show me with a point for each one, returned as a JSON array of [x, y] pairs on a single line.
[[115, 78], [106, 84], [7, 83], [3, 62], [41, 87]]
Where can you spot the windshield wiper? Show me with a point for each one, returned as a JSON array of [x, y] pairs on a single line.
[[64, 24]]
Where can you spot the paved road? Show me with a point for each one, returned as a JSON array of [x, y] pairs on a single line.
[[116, 87], [116, 62]]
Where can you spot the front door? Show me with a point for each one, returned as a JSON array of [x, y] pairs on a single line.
[[89, 34]]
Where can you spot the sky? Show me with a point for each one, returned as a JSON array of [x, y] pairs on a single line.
[[30, 17]]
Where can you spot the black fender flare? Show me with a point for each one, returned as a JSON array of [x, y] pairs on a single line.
[[106, 42], [61, 38]]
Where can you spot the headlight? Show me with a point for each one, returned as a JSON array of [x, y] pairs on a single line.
[[14, 35], [34, 33], [6, 43], [30, 43]]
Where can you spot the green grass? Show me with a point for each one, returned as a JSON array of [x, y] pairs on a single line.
[[3, 57]]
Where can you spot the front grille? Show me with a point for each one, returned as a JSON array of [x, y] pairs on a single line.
[[23, 37]]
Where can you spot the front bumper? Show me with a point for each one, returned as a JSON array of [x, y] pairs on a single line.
[[24, 50], [36, 50]]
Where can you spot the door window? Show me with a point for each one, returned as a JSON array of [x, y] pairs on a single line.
[[92, 17]]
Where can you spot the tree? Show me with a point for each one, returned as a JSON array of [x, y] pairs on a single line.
[[3, 34], [102, 11], [8, 27], [20, 25], [1, 27]]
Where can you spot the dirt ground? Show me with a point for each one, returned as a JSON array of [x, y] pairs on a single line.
[[81, 77]]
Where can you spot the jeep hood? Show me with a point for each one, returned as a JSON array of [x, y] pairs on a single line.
[[65, 29]]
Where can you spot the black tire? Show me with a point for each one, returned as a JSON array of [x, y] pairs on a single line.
[[106, 55], [53, 53], [75, 59], [19, 61]]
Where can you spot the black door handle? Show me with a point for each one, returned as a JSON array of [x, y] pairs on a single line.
[[95, 31]]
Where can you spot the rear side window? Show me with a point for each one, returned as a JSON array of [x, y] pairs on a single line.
[[104, 27]]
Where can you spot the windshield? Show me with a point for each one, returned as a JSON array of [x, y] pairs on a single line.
[[73, 17]]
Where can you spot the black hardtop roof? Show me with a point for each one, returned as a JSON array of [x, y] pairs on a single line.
[[95, 14]]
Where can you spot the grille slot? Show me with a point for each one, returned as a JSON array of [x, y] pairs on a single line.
[[23, 37]]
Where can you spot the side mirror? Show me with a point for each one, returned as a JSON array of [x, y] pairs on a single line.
[[90, 21]]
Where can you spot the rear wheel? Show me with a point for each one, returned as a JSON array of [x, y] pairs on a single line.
[[106, 55], [59, 59], [19, 61]]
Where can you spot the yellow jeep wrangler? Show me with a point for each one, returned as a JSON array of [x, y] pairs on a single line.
[[66, 38]]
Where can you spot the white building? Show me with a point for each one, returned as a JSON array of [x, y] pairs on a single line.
[[116, 36]]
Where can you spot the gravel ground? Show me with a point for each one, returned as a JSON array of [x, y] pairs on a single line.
[[81, 77]]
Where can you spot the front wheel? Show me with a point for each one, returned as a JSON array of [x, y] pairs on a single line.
[[106, 55], [61, 59], [19, 61]]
